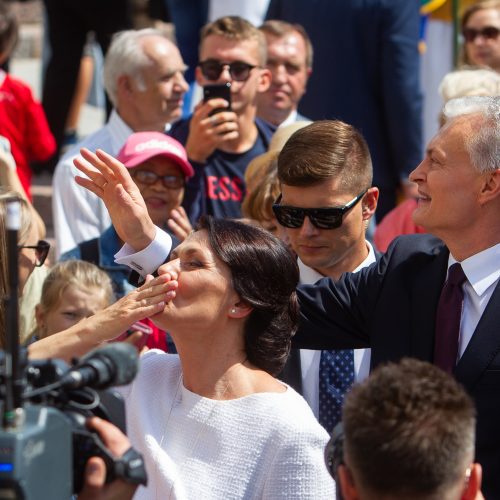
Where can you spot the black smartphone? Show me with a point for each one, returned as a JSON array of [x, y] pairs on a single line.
[[222, 90]]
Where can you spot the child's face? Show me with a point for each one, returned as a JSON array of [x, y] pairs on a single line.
[[74, 305]]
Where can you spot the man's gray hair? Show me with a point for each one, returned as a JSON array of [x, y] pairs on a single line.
[[126, 56], [483, 146]]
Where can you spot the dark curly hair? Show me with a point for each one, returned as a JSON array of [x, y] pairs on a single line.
[[264, 274]]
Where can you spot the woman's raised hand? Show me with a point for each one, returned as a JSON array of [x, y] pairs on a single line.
[[109, 179]]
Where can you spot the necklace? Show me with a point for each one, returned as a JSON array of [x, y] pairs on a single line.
[[203, 425]]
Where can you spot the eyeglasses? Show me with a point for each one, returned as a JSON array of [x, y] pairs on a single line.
[[149, 178], [212, 69], [322, 218], [487, 33], [41, 251]]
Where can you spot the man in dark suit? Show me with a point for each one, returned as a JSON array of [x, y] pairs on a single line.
[[392, 306], [289, 59], [366, 73]]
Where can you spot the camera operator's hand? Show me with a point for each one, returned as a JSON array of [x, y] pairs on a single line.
[[95, 487], [111, 181]]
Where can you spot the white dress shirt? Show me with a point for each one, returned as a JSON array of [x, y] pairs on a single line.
[[80, 215], [482, 273], [310, 359]]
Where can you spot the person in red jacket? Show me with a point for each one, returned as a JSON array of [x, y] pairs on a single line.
[[22, 118]]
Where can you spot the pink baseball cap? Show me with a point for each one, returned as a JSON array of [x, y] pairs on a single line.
[[142, 146]]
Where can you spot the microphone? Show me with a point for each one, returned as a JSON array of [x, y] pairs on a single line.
[[113, 364]]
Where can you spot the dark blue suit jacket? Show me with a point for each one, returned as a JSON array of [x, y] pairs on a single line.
[[391, 307], [366, 73]]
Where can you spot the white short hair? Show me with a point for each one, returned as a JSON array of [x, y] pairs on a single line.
[[126, 56], [483, 145], [468, 82]]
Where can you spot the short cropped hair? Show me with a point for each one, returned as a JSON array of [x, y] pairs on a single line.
[[125, 56], [236, 28], [483, 145], [409, 430], [264, 274], [326, 149], [280, 29]]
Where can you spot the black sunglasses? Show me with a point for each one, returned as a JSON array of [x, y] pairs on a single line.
[[487, 33], [41, 251], [322, 218], [212, 69], [149, 178]]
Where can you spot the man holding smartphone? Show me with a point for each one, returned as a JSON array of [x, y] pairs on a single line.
[[222, 137]]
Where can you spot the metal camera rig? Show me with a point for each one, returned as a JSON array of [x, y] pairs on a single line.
[[44, 442]]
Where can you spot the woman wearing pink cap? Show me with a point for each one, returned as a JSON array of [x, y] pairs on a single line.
[[159, 166]]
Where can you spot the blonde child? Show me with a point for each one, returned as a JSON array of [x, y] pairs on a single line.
[[73, 290]]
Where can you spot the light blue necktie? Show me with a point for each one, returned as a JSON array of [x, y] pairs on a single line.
[[336, 376]]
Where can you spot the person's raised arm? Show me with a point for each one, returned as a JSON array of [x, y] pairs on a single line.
[[110, 180], [108, 323]]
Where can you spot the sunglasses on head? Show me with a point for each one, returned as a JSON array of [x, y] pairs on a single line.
[[149, 178], [322, 218], [212, 69], [41, 251], [487, 33]]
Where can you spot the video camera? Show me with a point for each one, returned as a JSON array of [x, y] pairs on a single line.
[[44, 442]]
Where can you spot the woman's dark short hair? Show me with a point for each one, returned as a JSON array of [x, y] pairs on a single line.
[[264, 274]]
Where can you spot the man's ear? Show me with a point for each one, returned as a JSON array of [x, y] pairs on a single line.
[[491, 187], [240, 310], [347, 485], [369, 203], [124, 87], [39, 317], [264, 80], [472, 489]]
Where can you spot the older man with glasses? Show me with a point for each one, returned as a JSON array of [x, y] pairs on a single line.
[[222, 137], [325, 205]]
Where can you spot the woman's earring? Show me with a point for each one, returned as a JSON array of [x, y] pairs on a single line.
[[233, 311]]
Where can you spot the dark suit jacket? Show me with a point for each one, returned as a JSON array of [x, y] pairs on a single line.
[[366, 73], [391, 307]]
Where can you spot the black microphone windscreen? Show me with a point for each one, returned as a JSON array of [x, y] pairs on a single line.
[[122, 357]]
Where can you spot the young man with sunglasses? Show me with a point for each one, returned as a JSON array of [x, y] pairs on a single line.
[[325, 206], [221, 138], [481, 32]]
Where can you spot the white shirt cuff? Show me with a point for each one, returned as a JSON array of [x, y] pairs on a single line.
[[148, 260]]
